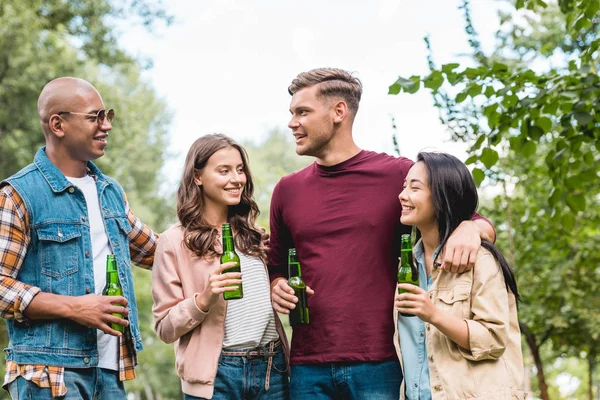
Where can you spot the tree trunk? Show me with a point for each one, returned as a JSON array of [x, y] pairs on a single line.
[[534, 347]]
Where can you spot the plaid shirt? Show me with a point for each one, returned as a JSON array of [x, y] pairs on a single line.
[[15, 296]]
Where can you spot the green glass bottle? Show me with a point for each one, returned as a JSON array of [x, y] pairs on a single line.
[[299, 315], [407, 272], [113, 287], [229, 255]]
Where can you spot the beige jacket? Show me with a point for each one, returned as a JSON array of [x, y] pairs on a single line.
[[177, 277], [493, 369]]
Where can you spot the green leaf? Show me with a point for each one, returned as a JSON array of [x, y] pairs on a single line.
[[489, 91], [582, 23], [583, 118], [472, 73], [587, 176], [592, 9], [395, 88], [478, 143], [489, 157], [568, 221], [478, 176], [551, 108], [499, 67], [554, 197], [471, 160], [545, 123], [408, 85], [535, 133], [447, 68], [434, 81], [474, 90], [529, 148], [510, 101], [461, 97], [576, 202]]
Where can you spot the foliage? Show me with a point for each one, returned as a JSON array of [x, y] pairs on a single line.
[[530, 111], [41, 40], [510, 103]]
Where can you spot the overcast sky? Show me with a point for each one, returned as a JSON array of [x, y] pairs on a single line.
[[225, 65]]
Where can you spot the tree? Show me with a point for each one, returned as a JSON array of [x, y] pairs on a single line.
[[41, 40], [521, 107], [534, 135]]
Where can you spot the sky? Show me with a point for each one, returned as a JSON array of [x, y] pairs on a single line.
[[225, 65]]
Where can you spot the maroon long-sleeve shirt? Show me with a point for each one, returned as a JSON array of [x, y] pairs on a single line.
[[344, 221]]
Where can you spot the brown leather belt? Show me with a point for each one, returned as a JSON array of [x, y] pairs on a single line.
[[267, 352]]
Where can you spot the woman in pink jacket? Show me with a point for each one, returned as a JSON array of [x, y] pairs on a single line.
[[224, 349]]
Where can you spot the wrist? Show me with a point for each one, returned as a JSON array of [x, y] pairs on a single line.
[[202, 306], [276, 281]]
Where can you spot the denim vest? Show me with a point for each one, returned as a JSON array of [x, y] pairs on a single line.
[[59, 260]]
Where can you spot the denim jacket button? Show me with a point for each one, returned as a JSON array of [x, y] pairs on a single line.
[[83, 219], [71, 189], [86, 360], [88, 290]]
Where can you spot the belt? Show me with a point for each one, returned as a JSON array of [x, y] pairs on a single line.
[[267, 352]]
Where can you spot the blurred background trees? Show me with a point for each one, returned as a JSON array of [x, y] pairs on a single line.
[[529, 110]]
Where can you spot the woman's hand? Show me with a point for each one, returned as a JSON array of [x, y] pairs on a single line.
[[218, 283], [416, 303]]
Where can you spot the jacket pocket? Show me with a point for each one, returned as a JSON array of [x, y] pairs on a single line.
[[454, 300], [59, 248]]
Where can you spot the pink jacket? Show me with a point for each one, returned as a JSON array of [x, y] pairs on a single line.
[[177, 277]]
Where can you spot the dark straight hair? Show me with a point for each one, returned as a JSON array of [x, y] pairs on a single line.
[[454, 197]]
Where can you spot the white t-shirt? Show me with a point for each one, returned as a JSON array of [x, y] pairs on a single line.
[[108, 345]]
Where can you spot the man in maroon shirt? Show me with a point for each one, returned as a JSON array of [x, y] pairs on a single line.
[[342, 214]]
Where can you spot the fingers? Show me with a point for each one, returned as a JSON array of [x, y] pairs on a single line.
[[309, 291], [222, 267], [282, 297], [117, 310], [120, 300], [411, 288]]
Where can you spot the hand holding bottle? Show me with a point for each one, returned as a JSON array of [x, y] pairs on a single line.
[[218, 282], [282, 296]]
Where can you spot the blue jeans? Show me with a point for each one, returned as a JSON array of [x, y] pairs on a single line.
[[240, 379], [346, 381], [82, 383]]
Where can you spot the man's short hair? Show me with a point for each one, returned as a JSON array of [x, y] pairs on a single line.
[[330, 82]]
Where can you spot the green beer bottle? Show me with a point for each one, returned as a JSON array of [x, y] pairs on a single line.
[[229, 255], [113, 287], [407, 272], [299, 315]]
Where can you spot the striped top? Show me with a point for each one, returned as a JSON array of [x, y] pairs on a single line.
[[250, 321]]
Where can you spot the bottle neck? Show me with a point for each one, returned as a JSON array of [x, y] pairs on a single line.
[[406, 255], [228, 243], [294, 267], [112, 275]]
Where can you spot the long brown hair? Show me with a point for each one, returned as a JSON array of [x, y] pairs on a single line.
[[199, 236]]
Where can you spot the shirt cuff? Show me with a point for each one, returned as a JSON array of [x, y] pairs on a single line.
[[22, 301], [481, 344], [195, 311]]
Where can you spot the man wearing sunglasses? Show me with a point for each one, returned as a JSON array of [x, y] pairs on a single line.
[[59, 219]]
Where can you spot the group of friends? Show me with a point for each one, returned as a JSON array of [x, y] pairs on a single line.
[[455, 335]]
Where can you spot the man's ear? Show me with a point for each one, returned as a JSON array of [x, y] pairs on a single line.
[[55, 126], [341, 111]]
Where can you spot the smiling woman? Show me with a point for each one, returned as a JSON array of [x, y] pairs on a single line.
[[189, 282]]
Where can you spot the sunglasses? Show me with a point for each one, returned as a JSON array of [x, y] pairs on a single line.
[[100, 116]]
